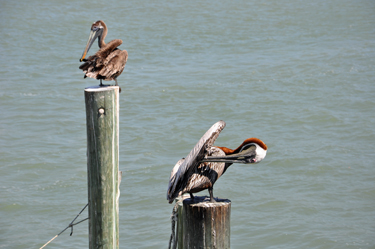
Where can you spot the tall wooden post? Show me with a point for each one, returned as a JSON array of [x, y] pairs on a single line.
[[204, 224], [102, 121]]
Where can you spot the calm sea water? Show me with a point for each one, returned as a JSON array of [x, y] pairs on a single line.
[[297, 74]]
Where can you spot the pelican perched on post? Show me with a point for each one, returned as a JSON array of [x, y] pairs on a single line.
[[109, 62], [206, 163]]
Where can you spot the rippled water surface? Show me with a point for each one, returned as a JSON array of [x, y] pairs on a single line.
[[297, 74]]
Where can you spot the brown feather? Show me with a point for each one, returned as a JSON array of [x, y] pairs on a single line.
[[109, 62], [205, 175]]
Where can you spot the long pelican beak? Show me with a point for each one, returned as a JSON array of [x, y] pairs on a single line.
[[245, 156], [93, 35]]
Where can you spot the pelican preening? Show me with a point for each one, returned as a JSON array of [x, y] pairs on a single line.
[[206, 163], [109, 62]]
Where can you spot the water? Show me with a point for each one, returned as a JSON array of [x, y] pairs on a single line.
[[297, 74]]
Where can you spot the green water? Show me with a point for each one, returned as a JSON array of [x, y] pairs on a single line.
[[297, 74]]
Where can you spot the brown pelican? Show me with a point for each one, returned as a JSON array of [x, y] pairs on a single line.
[[109, 62], [206, 163]]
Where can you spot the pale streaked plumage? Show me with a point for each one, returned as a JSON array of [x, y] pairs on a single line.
[[206, 163]]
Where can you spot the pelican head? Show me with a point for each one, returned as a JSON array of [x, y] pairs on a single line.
[[97, 29], [252, 150]]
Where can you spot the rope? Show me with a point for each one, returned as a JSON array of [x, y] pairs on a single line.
[[173, 240], [71, 224]]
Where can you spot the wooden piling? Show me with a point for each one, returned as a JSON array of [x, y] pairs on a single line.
[[102, 121], [204, 224]]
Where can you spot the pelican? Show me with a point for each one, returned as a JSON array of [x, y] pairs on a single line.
[[206, 163], [109, 62]]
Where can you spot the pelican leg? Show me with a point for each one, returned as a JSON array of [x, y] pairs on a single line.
[[117, 85], [210, 190], [101, 82], [191, 196]]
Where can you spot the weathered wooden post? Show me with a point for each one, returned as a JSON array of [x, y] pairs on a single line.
[[202, 224], [102, 121]]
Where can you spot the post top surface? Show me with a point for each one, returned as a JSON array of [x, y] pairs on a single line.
[[204, 201], [100, 88]]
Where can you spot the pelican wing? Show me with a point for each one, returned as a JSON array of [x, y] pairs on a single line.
[[207, 174], [108, 63], [114, 64], [108, 48], [182, 170]]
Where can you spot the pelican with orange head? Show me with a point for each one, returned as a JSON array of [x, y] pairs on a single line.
[[206, 163]]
